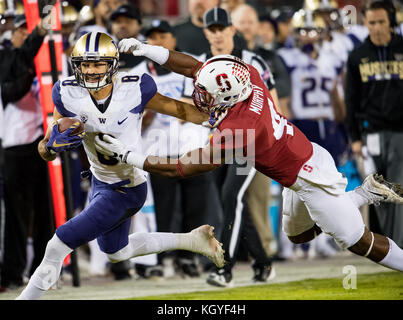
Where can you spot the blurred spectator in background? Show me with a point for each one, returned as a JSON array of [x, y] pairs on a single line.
[[86, 18], [125, 22], [97, 16], [335, 38], [189, 34], [26, 185], [192, 29], [267, 31], [316, 107], [283, 16], [374, 95], [231, 5], [7, 15], [245, 20], [68, 19], [103, 10], [337, 42], [355, 28]]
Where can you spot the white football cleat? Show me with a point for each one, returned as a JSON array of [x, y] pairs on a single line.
[[379, 190], [204, 242]]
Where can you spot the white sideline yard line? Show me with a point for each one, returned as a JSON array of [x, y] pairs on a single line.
[[106, 288]]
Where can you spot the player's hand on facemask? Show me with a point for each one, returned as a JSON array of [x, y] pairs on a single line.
[[111, 147], [133, 46], [215, 119], [62, 141]]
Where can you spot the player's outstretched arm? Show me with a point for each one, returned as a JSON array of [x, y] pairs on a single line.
[[172, 60], [193, 163], [182, 63], [176, 108]]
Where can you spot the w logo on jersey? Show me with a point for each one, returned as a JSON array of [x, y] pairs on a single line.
[[102, 120]]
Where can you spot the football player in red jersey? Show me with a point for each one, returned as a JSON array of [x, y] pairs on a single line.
[[238, 104]]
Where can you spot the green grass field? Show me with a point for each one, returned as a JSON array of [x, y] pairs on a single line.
[[379, 286]]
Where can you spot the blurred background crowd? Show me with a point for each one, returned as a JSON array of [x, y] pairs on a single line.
[[302, 50]]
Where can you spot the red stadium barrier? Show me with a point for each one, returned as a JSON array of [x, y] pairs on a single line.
[[43, 70]]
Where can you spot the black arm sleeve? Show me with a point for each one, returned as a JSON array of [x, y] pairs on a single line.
[[353, 99], [15, 90], [30, 47], [281, 76], [12, 58]]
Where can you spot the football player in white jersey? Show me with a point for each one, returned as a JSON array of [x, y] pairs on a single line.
[[316, 106], [111, 103], [336, 39]]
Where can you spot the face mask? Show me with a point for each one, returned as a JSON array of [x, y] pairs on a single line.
[[307, 48]]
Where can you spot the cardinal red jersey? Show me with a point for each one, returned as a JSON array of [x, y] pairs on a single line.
[[277, 148]]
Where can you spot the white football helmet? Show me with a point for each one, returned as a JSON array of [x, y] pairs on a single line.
[[221, 82]]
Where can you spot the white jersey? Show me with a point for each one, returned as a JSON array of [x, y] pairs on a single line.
[[161, 138], [23, 119], [311, 81], [340, 45], [122, 119], [357, 33]]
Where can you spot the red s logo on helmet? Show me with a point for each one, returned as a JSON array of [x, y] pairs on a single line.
[[219, 82]]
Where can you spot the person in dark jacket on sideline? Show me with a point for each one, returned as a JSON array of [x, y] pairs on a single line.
[[374, 100], [26, 198]]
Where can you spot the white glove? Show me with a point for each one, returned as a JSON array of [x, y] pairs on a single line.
[[133, 46], [112, 147], [156, 53]]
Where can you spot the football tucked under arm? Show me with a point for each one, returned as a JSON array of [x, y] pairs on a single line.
[[65, 133]]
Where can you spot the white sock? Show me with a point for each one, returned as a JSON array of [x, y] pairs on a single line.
[[358, 196], [141, 244], [48, 271], [394, 258]]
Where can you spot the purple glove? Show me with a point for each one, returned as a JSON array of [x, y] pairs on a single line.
[[215, 118], [62, 141]]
